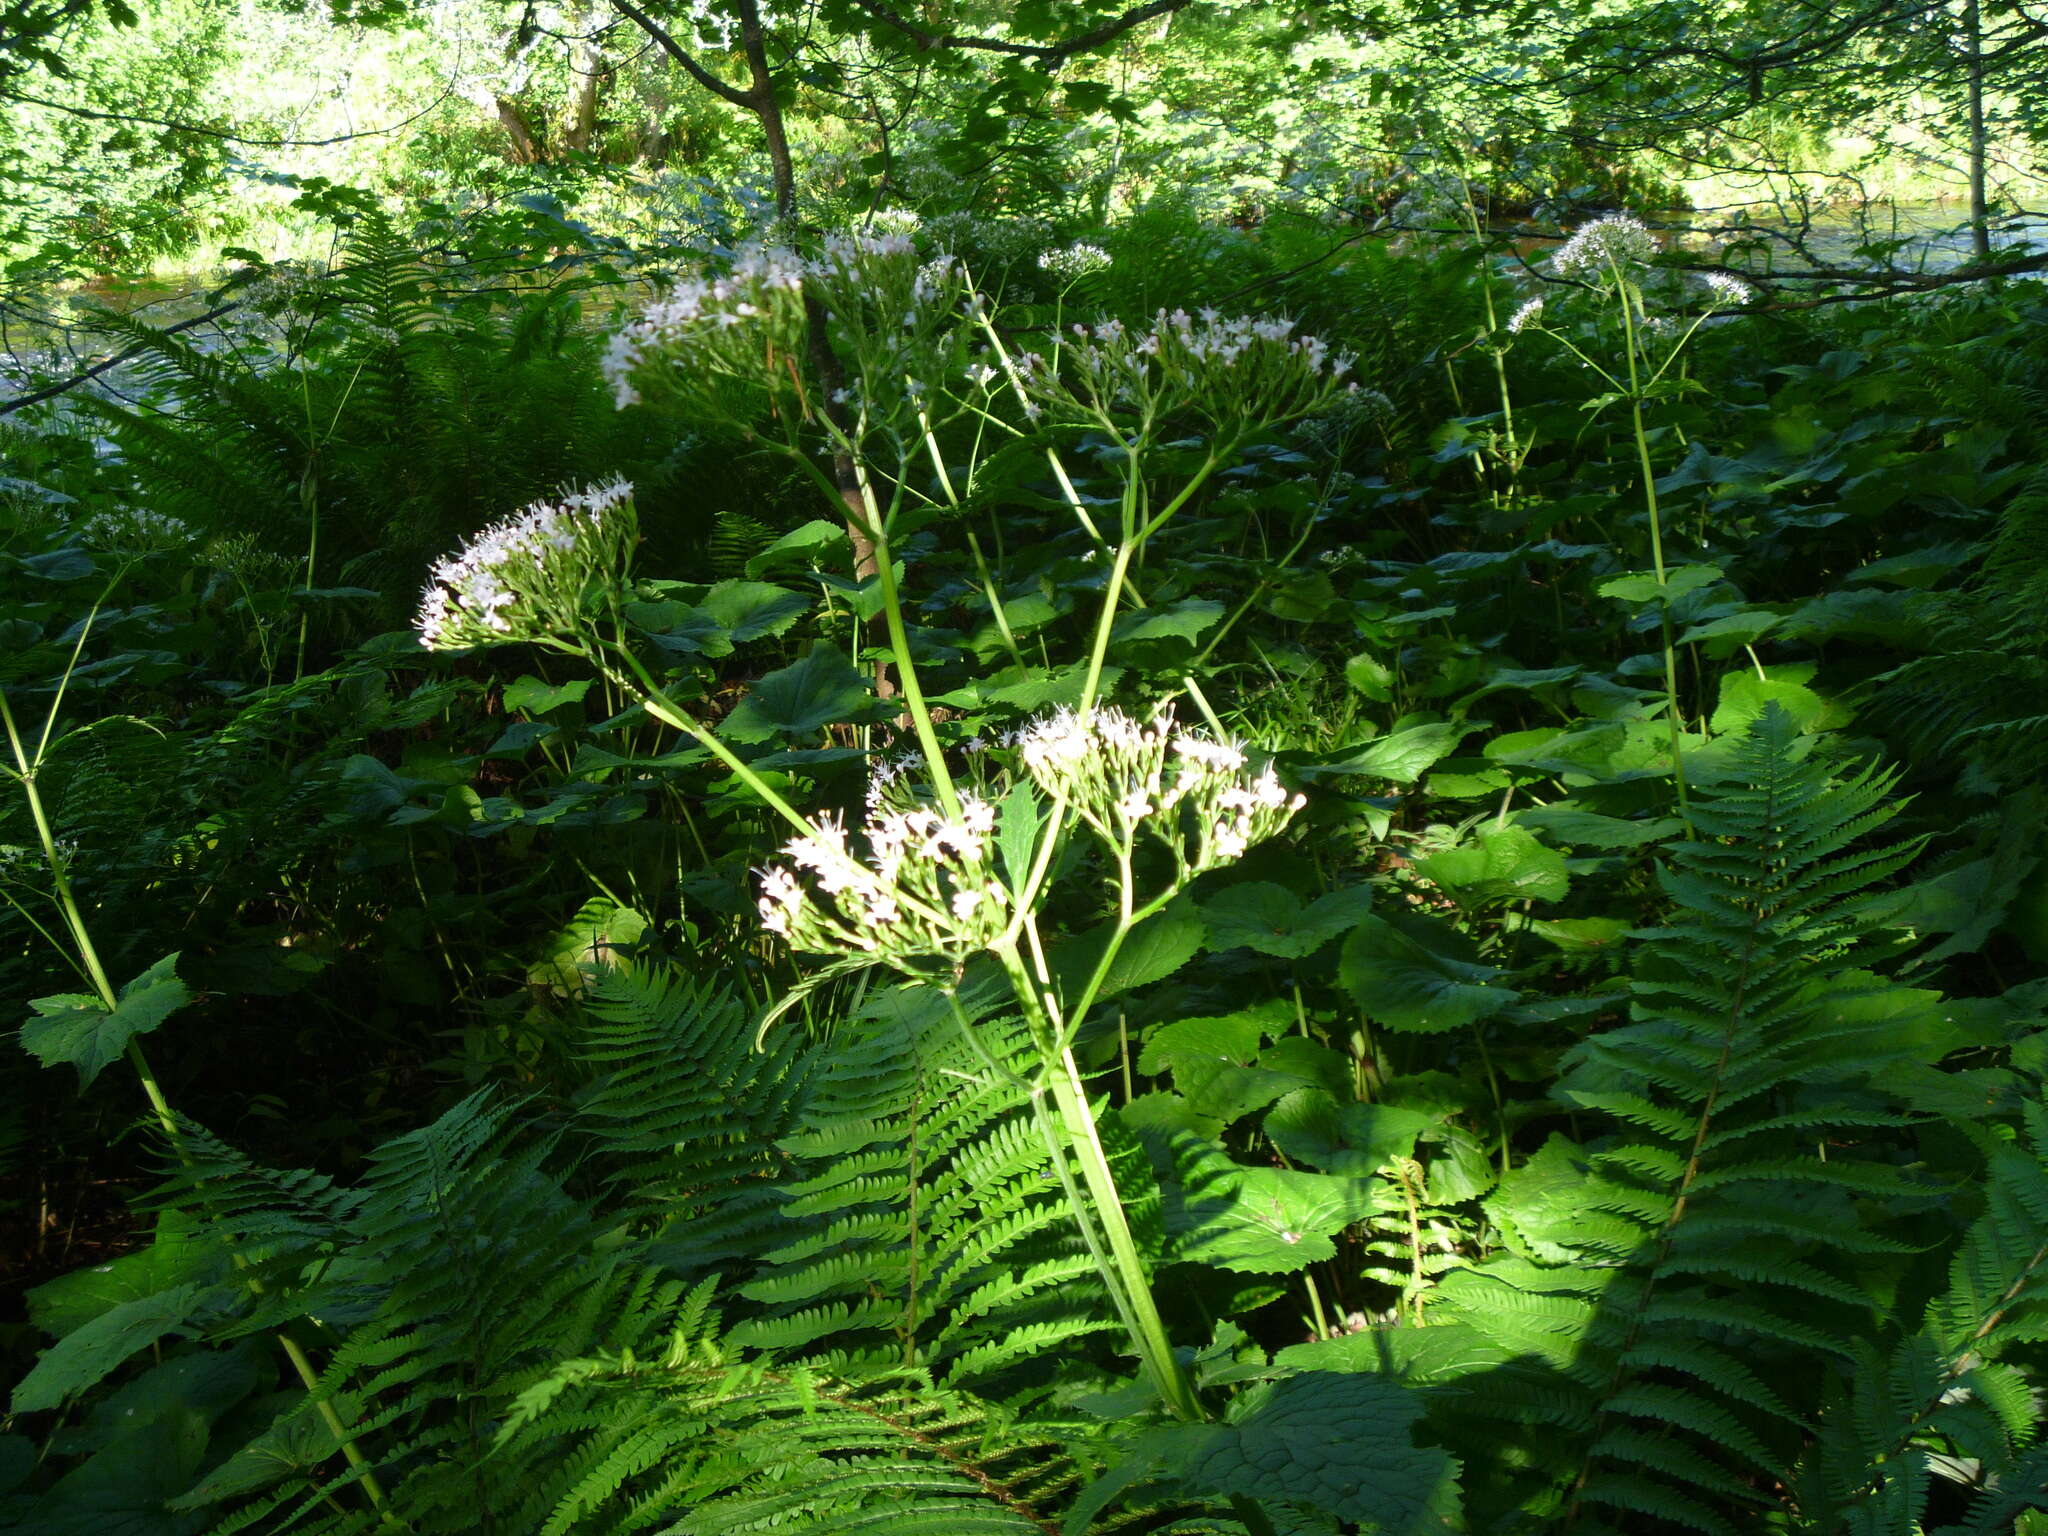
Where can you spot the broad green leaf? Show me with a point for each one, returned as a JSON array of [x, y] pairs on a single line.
[[1264, 1221], [1183, 620], [1501, 863], [1576, 828], [1271, 919], [297, 1443], [178, 1253], [1370, 676], [748, 610], [1313, 1062], [1154, 1118], [1645, 588], [820, 690], [1019, 820], [1156, 948], [800, 546], [1233, 1037], [1582, 935], [1342, 1443], [1541, 1202], [1352, 1140], [1726, 635], [680, 629], [1416, 1356], [1744, 697], [83, 1357], [1423, 977], [1212, 1061], [537, 697], [1402, 757], [208, 1381], [126, 1489], [77, 1029]]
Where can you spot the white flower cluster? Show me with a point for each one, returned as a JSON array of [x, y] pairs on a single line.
[[1530, 312], [895, 221], [528, 576], [924, 888], [1190, 790], [1075, 262], [921, 886], [846, 255], [1602, 248], [764, 289], [989, 242], [1724, 289], [894, 320], [135, 530], [1234, 370]]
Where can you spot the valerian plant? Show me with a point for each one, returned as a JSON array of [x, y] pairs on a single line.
[[920, 888], [1609, 258]]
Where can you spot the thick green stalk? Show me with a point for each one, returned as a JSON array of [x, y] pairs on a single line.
[[906, 673], [1635, 405], [1149, 1327], [1133, 541]]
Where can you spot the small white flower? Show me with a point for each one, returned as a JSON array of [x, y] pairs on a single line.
[[1530, 312], [1726, 289]]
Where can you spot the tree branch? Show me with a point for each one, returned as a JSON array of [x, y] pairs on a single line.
[[681, 55], [51, 391], [1051, 55], [199, 130]]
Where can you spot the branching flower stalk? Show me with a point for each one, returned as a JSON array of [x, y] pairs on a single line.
[[1606, 255]]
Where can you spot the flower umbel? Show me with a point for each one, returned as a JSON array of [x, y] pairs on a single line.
[[1238, 372], [712, 324], [1605, 247], [924, 889], [1075, 262], [921, 891], [1190, 791], [529, 577], [1724, 289]]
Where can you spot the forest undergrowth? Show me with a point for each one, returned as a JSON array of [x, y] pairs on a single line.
[[1105, 880]]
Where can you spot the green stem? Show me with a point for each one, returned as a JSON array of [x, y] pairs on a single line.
[[1120, 568], [906, 672], [1148, 1327], [655, 700], [1635, 405]]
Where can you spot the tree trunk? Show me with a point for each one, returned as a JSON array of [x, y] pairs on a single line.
[[1980, 215], [586, 66], [526, 144], [761, 98], [824, 362]]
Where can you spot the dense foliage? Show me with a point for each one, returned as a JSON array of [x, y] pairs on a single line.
[[1048, 854]]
